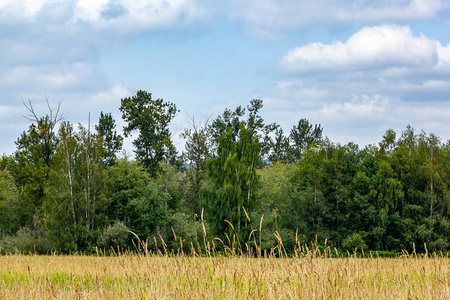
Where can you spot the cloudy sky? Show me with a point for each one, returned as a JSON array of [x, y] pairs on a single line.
[[356, 67]]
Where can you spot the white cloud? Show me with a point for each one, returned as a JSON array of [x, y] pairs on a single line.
[[8, 113], [89, 9], [52, 48], [380, 77], [387, 59], [140, 13], [107, 100], [391, 11], [53, 78], [366, 108], [365, 118], [46, 32], [294, 95], [135, 15], [443, 58], [387, 47], [14, 10], [263, 15], [260, 16]]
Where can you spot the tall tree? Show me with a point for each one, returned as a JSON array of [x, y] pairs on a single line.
[[112, 141], [434, 194], [232, 170], [33, 158], [339, 169], [233, 120], [136, 200], [196, 154], [76, 194], [9, 205], [151, 119], [274, 201], [234, 181], [279, 147], [308, 204], [40, 142], [61, 201], [302, 136]]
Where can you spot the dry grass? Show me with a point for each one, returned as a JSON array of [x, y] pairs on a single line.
[[183, 277]]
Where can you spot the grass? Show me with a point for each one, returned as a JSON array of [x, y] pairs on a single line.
[[140, 276], [310, 272]]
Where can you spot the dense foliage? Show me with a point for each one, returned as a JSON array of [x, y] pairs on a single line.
[[66, 189]]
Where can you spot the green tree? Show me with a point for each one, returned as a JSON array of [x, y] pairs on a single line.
[[175, 186], [92, 176], [279, 147], [187, 233], [388, 144], [433, 229], [234, 181], [274, 206], [353, 241], [196, 154], [239, 146], [233, 120], [442, 226], [114, 236], [387, 195], [39, 144], [61, 202], [9, 204], [151, 119], [307, 201], [340, 167], [33, 158], [76, 194], [137, 201], [302, 136], [112, 141], [228, 121]]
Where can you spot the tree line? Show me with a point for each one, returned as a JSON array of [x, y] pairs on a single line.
[[69, 188]]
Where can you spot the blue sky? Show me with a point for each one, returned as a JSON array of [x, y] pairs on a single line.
[[356, 67]]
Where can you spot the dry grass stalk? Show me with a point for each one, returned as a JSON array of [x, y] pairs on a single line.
[[140, 276]]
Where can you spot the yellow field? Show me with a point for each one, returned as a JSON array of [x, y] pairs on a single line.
[[181, 277]]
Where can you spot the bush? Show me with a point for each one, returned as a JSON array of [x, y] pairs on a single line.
[[115, 235], [187, 230], [25, 241], [439, 245], [353, 241]]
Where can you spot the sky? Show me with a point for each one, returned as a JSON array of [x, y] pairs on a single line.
[[357, 68]]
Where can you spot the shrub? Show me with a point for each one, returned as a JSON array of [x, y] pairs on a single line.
[[188, 230], [25, 241], [115, 235], [353, 241]]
